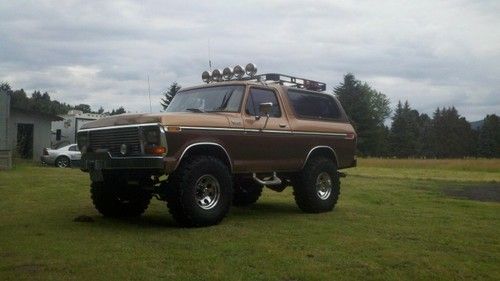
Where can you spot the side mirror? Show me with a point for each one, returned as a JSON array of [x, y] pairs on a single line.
[[265, 108]]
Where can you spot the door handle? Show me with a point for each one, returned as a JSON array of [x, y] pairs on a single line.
[[282, 125]]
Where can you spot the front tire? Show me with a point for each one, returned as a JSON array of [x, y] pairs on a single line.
[[119, 200], [317, 188], [200, 192]]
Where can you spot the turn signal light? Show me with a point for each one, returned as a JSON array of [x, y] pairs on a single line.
[[173, 129], [156, 150]]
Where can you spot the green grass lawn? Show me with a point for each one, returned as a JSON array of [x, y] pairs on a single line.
[[393, 221]]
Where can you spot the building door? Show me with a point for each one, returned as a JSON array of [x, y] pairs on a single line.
[[25, 141]]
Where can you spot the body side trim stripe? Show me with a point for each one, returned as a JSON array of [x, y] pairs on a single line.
[[264, 131]]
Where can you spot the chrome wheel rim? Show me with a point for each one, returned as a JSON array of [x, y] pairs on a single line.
[[62, 163], [207, 192], [324, 186]]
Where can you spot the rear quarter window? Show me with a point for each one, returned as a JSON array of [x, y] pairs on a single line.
[[309, 105]]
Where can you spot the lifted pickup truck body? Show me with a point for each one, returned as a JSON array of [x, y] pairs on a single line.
[[272, 148]]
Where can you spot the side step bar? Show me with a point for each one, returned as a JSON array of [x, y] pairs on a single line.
[[273, 181]]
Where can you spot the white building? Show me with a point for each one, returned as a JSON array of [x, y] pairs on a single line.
[[64, 132], [24, 133]]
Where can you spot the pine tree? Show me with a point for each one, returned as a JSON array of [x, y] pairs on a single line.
[[489, 137], [119, 110], [405, 131], [424, 144], [170, 94], [367, 109], [452, 135]]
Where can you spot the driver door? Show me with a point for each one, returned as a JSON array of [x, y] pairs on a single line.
[[266, 148]]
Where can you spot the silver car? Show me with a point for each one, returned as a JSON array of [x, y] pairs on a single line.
[[62, 157]]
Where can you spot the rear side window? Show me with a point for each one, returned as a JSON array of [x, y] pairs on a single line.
[[73, 148], [258, 96], [313, 105]]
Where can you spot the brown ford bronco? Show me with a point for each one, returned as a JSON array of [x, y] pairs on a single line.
[[219, 144]]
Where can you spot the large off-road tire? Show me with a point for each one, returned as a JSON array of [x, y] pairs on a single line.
[[246, 192], [199, 193], [119, 199], [317, 187]]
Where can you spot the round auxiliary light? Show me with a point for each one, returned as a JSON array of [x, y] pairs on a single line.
[[251, 69], [238, 72], [205, 76], [216, 75], [227, 73]]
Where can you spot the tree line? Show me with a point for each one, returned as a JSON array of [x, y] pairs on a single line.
[[42, 103], [445, 134]]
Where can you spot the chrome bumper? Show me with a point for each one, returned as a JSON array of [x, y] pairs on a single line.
[[104, 161]]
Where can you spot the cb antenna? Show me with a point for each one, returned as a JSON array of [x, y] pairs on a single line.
[[149, 93], [209, 56]]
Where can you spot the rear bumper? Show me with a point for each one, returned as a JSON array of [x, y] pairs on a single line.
[[46, 159], [104, 161]]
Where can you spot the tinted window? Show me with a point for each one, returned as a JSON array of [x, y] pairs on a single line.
[[210, 99], [73, 148], [258, 96], [312, 105]]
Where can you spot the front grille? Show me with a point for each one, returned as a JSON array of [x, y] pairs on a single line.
[[112, 140]]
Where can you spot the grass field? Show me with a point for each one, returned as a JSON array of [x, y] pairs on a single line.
[[396, 219]]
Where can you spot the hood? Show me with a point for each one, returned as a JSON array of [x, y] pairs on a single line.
[[168, 119]]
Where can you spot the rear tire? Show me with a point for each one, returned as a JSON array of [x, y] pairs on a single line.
[[199, 193], [246, 192], [119, 200], [63, 162], [317, 188]]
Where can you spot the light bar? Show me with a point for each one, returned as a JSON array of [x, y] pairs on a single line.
[[250, 70]]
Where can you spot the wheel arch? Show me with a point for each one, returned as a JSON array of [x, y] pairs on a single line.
[[206, 148], [322, 150]]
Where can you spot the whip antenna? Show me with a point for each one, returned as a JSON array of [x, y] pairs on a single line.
[[149, 93], [209, 56]]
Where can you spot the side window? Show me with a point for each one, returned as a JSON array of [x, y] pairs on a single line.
[[258, 96], [73, 148], [313, 105]]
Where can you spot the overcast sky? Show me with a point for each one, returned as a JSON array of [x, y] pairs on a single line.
[[432, 53]]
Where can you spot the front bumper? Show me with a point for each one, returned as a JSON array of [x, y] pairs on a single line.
[[104, 161]]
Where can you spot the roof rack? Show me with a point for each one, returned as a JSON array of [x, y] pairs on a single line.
[[250, 70], [290, 81]]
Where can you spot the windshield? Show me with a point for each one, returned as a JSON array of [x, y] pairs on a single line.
[[210, 99]]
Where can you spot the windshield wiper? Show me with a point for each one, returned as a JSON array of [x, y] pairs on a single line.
[[225, 101], [195, 110]]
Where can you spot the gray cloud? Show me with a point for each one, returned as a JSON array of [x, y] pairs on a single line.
[[431, 53]]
